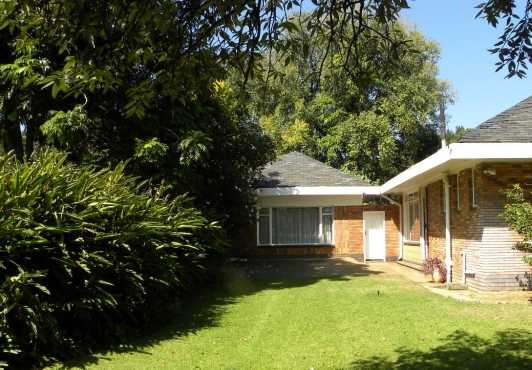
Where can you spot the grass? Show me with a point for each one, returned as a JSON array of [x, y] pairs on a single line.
[[299, 315]]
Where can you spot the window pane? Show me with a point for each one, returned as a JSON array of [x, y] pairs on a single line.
[[413, 224], [264, 230], [326, 210], [295, 225], [327, 229], [264, 211]]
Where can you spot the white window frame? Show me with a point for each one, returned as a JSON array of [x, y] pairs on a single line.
[[407, 240], [321, 214], [473, 189]]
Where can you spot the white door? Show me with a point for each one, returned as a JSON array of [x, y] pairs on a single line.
[[374, 235]]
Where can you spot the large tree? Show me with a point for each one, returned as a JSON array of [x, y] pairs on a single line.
[[373, 116], [121, 80]]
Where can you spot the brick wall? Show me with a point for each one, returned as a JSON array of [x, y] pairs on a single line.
[[500, 266], [478, 232], [348, 235], [435, 220]]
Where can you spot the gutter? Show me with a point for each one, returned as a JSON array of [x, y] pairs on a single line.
[[400, 223]]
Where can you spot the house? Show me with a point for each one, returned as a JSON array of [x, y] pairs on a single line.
[[447, 206], [307, 208], [453, 199]]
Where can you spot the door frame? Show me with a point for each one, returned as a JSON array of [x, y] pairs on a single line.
[[364, 241]]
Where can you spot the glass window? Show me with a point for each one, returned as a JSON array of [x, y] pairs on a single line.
[[327, 228], [296, 225], [264, 226], [412, 218]]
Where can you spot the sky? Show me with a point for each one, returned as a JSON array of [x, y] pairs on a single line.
[[465, 62]]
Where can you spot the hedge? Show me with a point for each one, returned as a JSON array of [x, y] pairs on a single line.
[[87, 256]]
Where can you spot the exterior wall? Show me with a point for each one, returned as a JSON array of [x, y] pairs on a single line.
[[478, 232], [348, 236], [435, 220], [349, 230], [500, 266]]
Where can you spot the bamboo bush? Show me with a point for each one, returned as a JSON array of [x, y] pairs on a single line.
[[87, 255]]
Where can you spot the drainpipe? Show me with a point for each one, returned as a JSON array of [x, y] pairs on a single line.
[[400, 223], [447, 205]]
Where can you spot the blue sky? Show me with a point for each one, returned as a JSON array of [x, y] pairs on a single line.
[[465, 62]]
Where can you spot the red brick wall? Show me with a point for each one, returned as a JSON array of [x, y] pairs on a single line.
[[479, 232], [464, 221], [435, 221], [348, 235]]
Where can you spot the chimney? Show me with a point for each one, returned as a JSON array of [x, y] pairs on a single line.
[[443, 128]]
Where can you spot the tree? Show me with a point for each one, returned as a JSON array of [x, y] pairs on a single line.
[[454, 136], [514, 47], [139, 80], [518, 215], [373, 118]]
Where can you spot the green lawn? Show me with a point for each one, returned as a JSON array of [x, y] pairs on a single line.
[[295, 316]]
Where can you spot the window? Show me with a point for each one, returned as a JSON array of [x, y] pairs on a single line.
[[473, 190], [264, 226], [412, 218], [295, 225]]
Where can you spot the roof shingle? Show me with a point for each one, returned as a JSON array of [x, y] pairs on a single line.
[[514, 125], [297, 169]]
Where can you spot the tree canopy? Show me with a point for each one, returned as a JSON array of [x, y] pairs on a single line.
[[372, 118]]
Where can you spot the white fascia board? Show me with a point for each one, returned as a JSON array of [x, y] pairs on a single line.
[[436, 159], [493, 151], [462, 151], [319, 190]]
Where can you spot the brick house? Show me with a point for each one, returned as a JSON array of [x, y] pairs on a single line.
[[446, 206], [307, 208], [452, 201]]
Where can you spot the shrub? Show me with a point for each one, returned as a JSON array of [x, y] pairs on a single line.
[[518, 215], [431, 265], [87, 256]]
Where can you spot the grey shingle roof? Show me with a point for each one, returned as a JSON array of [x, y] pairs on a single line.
[[297, 169], [514, 125]]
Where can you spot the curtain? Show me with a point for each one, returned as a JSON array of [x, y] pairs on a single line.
[[296, 225]]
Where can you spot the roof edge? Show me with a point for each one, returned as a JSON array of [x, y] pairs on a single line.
[[461, 151], [318, 190]]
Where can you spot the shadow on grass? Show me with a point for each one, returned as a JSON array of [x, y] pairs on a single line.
[[511, 349], [237, 280]]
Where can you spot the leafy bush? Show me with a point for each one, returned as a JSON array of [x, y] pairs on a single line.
[[431, 265], [518, 215], [87, 256]]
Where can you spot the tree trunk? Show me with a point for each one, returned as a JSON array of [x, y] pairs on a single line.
[[13, 139]]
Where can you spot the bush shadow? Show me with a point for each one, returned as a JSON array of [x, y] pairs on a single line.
[[511, 349], [236, 280]]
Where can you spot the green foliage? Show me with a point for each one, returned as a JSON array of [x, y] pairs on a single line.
[[87, 256], [454, 136], [150, 151], [373, 117], [137, 81], [518, 215], [514, 46]]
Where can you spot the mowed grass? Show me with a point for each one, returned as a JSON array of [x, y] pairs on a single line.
[[280, 317]]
